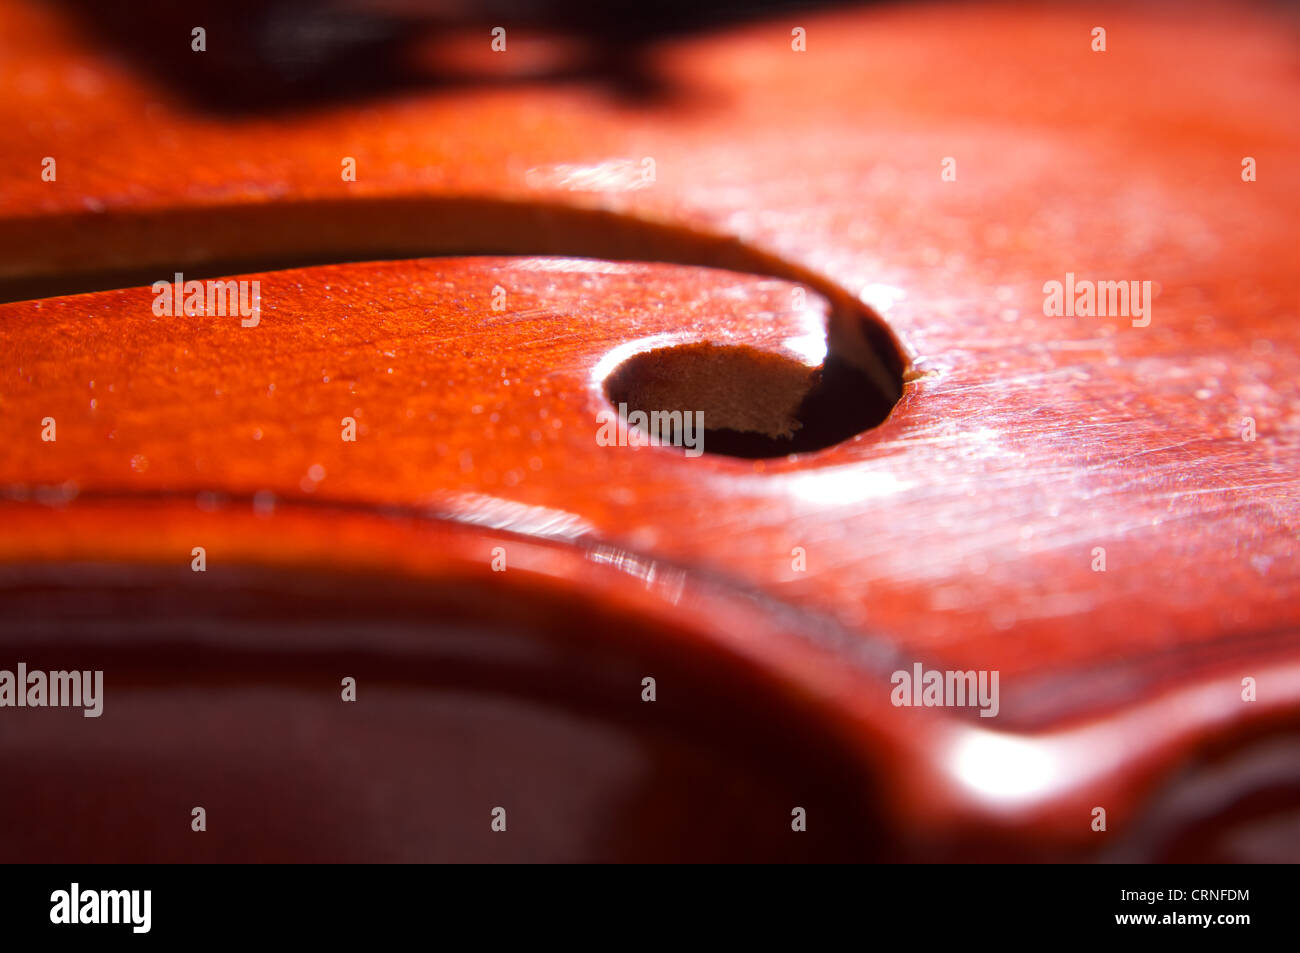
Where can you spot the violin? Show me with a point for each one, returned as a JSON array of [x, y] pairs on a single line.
[[837, 433]]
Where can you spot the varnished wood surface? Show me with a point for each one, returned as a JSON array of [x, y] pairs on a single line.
[[959, 534]]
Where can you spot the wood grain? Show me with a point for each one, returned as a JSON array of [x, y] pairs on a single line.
[[961, 533]]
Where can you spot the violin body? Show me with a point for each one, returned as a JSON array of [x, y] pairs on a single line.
[[313, 448]]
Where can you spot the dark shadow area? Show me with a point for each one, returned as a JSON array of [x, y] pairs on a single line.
[[223, 690], [275, 55], [844, 401]]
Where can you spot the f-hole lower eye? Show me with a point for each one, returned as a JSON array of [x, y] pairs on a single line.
[[743, 402]]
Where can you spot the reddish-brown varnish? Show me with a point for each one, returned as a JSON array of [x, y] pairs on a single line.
[[1102, 510]]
